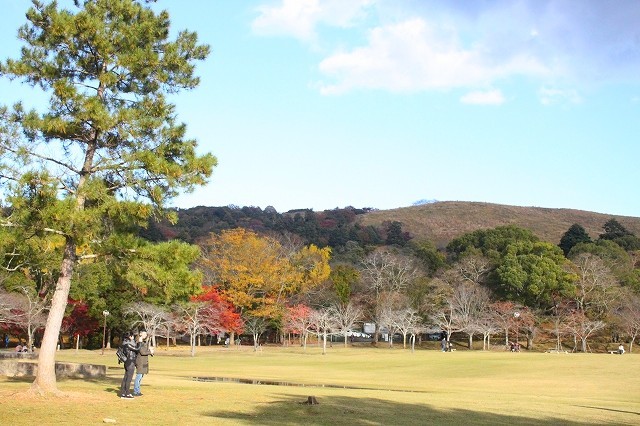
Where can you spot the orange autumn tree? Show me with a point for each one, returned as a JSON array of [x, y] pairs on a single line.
[[228, 317], [257, 274]]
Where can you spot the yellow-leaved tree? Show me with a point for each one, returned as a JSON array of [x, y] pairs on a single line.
[[257, 274]]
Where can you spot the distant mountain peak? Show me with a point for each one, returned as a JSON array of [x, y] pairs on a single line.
[[424, 201]]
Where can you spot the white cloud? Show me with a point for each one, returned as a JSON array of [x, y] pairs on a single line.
[[430, 44], [300, 18], [551, 95], [488, 97], [414, 55]]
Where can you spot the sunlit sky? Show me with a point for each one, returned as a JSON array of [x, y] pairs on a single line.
[[381, 103]]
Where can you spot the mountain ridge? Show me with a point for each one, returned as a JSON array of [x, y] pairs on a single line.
[[442, 221]]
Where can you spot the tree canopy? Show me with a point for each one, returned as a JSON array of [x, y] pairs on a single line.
[[108, 151], [576, 234]]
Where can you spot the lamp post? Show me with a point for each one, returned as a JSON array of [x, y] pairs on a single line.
[[516, 315], [104, 330]]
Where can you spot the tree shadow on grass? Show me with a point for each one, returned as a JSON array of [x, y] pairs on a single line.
[[112, 384], [340, 410]]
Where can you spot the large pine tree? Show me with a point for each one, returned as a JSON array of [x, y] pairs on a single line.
[[108, 151]]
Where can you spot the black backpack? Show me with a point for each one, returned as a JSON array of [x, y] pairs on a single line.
[[122, 353]]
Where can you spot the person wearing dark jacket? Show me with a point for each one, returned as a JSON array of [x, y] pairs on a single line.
[[131, 349], [142, 361]]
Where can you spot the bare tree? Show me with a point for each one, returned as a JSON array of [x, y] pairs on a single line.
[[557, 323], [470, 301], [345, 317], [504, 312], [447, 320], [629, 314], [150, 317], [170, 328], [528, 321], [473, 268], [256, 326], [323, 324], [596, 287], [388, 321], [487, 324], [407, 322], [8, 302], [387, 275], [196, 318], [583, 327], [24, 309]]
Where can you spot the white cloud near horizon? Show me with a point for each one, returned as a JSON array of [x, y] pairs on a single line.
[[487, 97]]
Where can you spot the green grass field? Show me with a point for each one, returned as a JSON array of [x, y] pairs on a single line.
[[393, 386]]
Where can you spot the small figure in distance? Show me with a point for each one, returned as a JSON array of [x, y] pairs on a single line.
[[621, 349]]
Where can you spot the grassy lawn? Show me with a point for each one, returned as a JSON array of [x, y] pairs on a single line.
[[391, 387]]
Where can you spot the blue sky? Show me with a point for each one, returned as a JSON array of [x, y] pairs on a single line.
[[380, 103]]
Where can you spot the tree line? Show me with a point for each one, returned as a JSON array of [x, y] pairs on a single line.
[[333, 228]]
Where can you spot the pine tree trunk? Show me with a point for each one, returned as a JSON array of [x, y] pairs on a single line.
[[45, 381]]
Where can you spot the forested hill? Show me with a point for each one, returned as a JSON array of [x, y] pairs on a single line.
[[437, 222], [440, 222]]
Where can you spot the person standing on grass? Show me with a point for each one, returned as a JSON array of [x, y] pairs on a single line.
[[142, 361], [131, 350]]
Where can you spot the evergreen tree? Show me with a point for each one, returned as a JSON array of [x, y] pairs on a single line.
[[108, 152], [617, 233], [576, 234], [614, 229]]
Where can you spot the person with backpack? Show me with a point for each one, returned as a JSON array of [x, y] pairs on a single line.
[[130, 350], [142, 361]]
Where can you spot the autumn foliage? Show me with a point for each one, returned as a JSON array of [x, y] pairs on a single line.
[[228, 318], [257, 274]]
